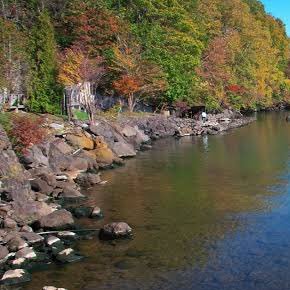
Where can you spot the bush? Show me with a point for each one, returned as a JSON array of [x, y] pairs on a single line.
[[26, 131], [5, 122]]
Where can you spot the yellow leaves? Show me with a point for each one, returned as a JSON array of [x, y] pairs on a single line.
[[69, 73]]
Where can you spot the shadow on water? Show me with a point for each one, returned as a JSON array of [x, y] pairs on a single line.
[[208, 213]]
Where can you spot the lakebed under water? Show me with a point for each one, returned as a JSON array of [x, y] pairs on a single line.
[[208, 212]]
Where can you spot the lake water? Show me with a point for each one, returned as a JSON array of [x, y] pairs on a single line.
[[207, 212]]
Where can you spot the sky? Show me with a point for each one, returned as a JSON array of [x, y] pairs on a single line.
[[279, 9]]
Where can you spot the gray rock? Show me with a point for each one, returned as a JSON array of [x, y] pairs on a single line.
[[26, 229], [40, 185], [60, 219], [67, 235], [88, 179], [35, 157], [16, 276], [97, 213], [28, 212], [16, 243], [115, 231], [31, 238], [18, 263], [123, 149], [51, 240], [68, 256], [129, 131], [3, 253], [56, 126], [78, 164], [10, 223], [26, 253], [71, 193]]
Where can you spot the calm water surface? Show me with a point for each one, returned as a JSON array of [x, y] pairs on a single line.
[[208, 213]]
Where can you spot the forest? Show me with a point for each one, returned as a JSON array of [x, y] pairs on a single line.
[[217, 53]]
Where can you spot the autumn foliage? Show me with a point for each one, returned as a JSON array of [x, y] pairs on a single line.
[[77, 67], [217, 53], [26, 131]]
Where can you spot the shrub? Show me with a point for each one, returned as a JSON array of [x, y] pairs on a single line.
[[5, 121], [26, 131]]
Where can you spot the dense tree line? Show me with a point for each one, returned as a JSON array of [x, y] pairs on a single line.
[[219, 53]]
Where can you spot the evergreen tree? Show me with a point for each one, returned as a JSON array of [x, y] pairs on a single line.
[[44, 93]]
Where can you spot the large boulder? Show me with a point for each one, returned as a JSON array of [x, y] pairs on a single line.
[[45, 174], [129, 131], [31, 238], [60, 219], [115, 231], [58, 162], [102, 154], [123, 149], [34, 157], [80, 140], [63, 147], [40, 185], [30, 211], [92, 164], [71, 193], [15, 242]]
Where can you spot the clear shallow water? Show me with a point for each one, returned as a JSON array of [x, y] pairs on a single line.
[[208, 213]]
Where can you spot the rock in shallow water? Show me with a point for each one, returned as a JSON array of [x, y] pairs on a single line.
[[115, 231], [68, 256], [16, 276]]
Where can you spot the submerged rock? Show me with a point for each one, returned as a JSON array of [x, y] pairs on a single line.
[[68, 256], [115, 231]]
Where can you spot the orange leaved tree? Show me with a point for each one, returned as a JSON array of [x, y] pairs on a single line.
[[128, 86], [137, 78]]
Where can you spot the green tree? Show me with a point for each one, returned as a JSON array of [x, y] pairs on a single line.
[[44, 93]]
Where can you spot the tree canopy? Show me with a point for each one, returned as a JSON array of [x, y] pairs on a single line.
[[218, 53]]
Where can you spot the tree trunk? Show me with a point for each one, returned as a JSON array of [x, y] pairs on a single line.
[[131, 102]]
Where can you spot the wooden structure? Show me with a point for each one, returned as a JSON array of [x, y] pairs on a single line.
[[11, 101], [79, 97]]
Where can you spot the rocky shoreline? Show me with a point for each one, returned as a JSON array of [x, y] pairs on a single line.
[[39, 191]]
